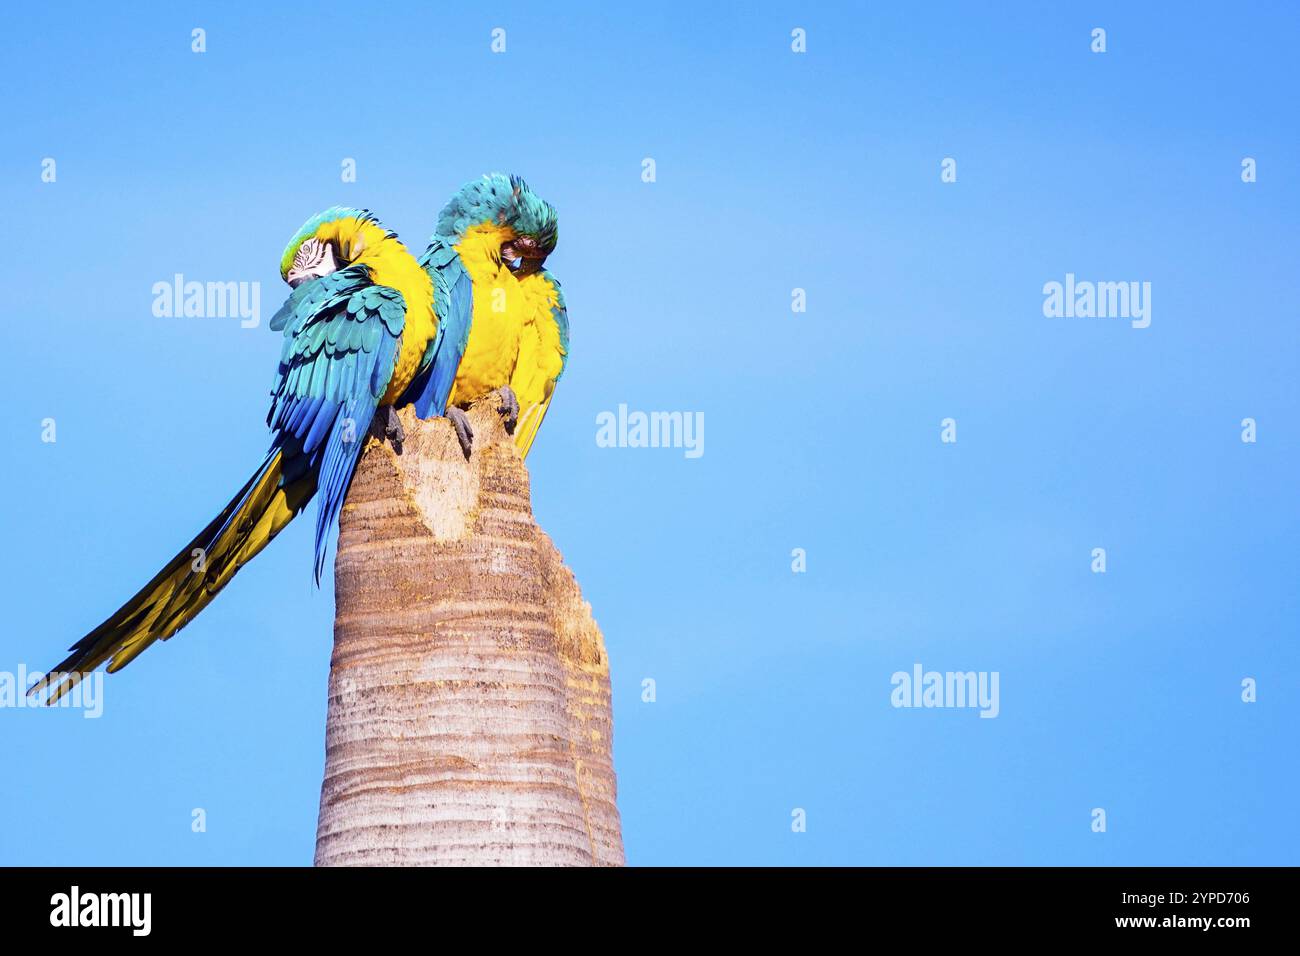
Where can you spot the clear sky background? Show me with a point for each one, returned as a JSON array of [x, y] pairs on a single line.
[[924, 301]]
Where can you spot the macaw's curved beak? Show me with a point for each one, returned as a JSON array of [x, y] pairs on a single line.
[[522, 256], [530, 264]]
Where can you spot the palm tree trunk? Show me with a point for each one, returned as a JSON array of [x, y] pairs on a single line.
[[469, 712]]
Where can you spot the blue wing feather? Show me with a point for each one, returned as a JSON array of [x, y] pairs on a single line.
[[560, 313], [342, 334], [453, 302]]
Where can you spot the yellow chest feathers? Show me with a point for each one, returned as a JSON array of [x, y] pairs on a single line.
[[392, 265], [503, 309]]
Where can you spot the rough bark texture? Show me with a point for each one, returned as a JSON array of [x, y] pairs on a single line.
[[469, 711]]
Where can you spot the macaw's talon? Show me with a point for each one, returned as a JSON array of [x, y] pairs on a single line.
[[508, 409], [465, 434], [387, 426]]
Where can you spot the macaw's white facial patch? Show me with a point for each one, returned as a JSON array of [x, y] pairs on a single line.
[[315, 258]]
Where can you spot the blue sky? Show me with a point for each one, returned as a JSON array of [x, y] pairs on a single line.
[[775, 171]]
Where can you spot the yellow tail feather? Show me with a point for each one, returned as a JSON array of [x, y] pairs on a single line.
[[189, 582]]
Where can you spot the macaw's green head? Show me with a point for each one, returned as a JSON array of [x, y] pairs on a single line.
[[527, 224], [330, 240]]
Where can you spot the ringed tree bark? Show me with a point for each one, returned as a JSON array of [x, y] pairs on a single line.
[[469, 717]]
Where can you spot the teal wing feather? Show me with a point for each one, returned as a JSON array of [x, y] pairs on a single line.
[[342, 336], [560, 313], [453, 302]]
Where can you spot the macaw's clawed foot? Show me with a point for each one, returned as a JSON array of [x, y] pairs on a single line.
[[386, 425], [465, 434], [508, 409]]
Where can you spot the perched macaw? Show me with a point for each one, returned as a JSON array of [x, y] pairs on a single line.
[[361, 336], [507, 328], [368, 329]]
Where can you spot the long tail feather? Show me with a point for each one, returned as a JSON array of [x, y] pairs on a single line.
[[191, 579], [530, 420]]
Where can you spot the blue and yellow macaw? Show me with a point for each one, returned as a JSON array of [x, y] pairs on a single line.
[[507, 313], [368, 329], [359, 329]]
